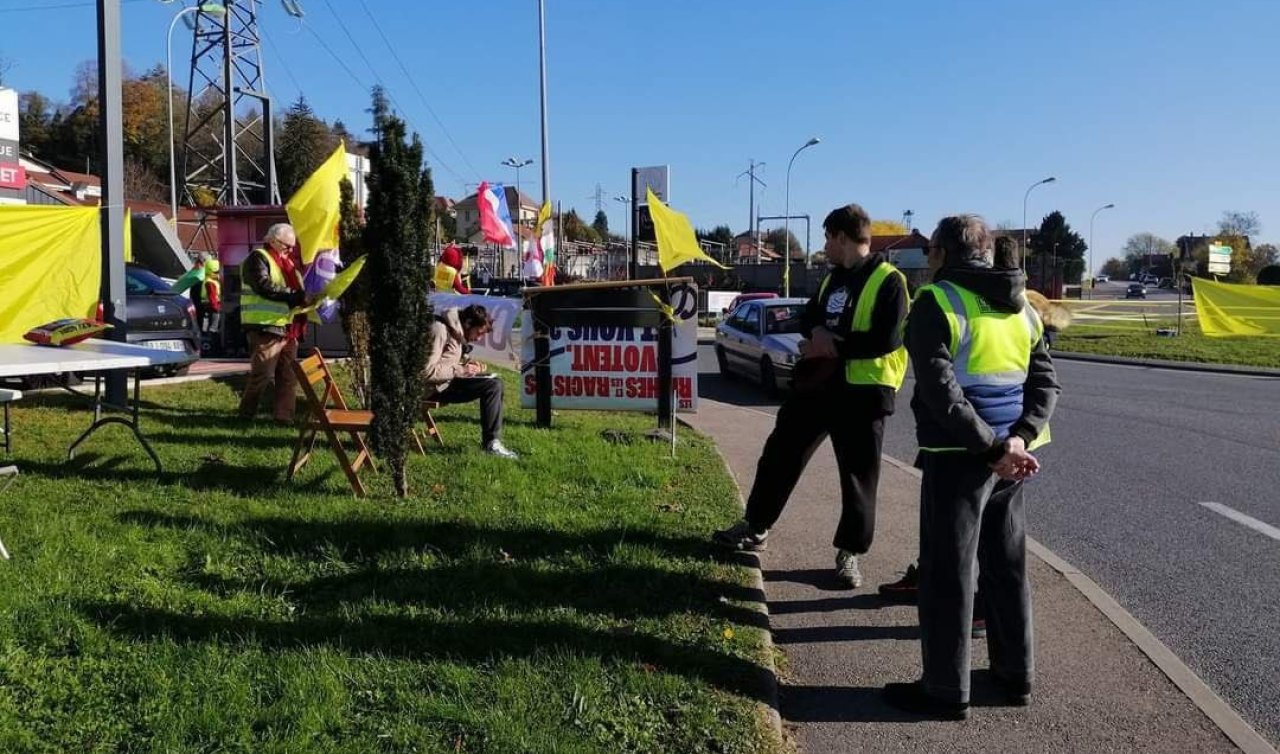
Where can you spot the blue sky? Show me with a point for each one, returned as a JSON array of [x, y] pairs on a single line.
[[1164, 107]]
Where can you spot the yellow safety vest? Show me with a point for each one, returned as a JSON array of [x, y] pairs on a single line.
[[990, 353], [258, 311], [890, 369]]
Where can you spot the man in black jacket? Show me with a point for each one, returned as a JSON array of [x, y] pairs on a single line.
[[985, 389], [844, 387]]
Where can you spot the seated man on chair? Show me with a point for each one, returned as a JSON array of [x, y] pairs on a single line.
[[452, 377]]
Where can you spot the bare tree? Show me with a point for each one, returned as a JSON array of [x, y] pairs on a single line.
[[6, 65], [1236, 223]]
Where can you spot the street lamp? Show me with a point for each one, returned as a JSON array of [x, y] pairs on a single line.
[[786, 221], [213, 9], [1091, 273], [512, 162], [1025, 196], [626, 226]]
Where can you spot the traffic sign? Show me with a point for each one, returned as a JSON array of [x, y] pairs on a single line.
[[1219, 259]]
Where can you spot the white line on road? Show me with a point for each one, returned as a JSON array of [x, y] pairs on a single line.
[[1240, 518]]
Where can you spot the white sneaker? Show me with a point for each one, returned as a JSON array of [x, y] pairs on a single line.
[[496, 448], [847, 568]]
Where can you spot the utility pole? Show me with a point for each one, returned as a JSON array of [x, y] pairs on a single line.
[[599, 198], [752, 226]]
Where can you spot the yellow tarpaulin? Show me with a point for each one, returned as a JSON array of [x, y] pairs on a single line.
[[315, 207], [50, 266], [1231, 309], [677, 243]]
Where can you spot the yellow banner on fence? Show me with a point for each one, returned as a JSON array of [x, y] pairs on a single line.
[[1230, 309], [50, 266]]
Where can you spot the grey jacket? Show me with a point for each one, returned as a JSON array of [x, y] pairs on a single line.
[[444, 352]]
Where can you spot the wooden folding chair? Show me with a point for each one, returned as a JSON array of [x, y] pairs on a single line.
[[331, 418], [432, 429]]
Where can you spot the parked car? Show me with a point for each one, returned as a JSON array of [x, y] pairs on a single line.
[[761, 339], [748, 297], [159, 318], [1136, 290]]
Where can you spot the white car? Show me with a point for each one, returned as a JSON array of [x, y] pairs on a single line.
[[761, 339]]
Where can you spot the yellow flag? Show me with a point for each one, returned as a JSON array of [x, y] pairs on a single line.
[[128, 235], [314, 208], [50, 265], [544, 214], [1228, 309], [676, 241]]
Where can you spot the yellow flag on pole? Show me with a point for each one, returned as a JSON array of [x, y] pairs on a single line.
[[314, 208], [1226, 309], [677, 243]]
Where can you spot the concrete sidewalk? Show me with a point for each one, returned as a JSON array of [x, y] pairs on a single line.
[[1095, 690]]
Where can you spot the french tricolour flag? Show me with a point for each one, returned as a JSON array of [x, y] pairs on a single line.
[[495, 218]]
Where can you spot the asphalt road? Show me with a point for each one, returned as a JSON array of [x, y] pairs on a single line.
[[1136, 452]]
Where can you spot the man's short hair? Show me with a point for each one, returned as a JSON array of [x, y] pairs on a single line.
[[277, 232], [474, 315], [852, 220], [963, 239], [1006, 254]]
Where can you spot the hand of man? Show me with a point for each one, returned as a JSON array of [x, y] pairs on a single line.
[[473, 368], [822, 345], [1016, 464]]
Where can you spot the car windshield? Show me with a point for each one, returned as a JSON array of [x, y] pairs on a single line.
[[139, 281], [783, 319]]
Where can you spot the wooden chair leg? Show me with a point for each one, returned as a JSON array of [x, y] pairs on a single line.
[[300, 457], [432, 429], [360, 443], [417, 440], [352, 477]]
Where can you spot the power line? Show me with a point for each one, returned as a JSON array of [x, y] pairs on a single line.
[[430, 152], [59, 6], [416, 88], [281, 58]]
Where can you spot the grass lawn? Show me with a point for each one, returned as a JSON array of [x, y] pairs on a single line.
[[1191, 345], [565, 602]]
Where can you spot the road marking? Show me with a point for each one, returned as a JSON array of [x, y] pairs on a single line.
[[1240, 518]]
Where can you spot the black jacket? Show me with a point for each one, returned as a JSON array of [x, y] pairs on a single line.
[[256, 274], [944, 417], [885, 335]]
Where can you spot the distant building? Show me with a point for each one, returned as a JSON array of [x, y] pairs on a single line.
[[468, 212]]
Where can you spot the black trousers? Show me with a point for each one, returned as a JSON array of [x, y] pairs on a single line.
[[973, 532], [487, 390], [804, 421]]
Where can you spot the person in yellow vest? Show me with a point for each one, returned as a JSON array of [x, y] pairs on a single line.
[[272, 285], [852, 364], [985, 389]]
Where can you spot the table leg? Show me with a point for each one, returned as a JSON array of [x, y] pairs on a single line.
[[132, 422]]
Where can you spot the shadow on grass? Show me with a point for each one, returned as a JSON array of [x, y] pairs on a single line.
[[422, 638], [523, 574], [237, 480]]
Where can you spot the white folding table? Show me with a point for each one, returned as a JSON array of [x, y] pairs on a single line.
[[96, 356]]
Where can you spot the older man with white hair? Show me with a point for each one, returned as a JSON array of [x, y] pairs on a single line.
[[985, 389], [272, 286]]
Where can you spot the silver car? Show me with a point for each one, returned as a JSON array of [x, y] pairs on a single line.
[[761, 339]]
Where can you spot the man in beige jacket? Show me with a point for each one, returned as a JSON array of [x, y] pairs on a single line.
[[452, 377]]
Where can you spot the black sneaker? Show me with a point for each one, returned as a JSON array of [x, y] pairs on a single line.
[[911, 697], [903, 591], [741, 537], [1015, 693]]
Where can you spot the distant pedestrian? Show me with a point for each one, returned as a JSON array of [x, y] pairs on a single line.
[[844, 386], [985, 389]]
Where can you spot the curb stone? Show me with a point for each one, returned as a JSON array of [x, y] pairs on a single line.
[[769, 676]]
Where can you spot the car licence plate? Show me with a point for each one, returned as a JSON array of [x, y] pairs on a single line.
[[165, 345]]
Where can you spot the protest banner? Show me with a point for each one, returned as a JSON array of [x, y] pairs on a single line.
[[615, 367]]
